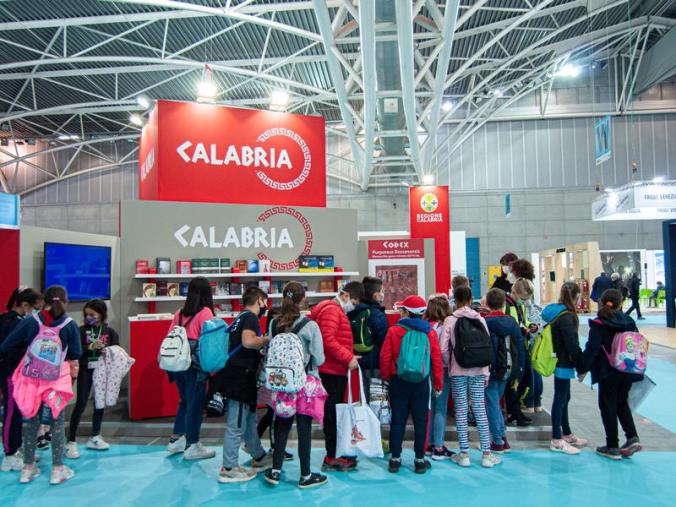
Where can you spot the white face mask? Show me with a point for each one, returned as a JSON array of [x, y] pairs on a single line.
[[511, 278], [347, 307], [506, 270]]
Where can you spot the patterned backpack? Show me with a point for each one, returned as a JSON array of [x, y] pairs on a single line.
[[629, 353], [285, 361], [45, 354]]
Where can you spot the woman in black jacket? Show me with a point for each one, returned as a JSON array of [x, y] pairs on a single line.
[[502, 281], [614, 386], [564, 325]]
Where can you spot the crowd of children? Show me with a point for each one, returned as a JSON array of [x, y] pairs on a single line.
[[479, 354]]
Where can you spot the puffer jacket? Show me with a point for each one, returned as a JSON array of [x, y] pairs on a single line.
[[337, 337], [30, 393], [108, 375]]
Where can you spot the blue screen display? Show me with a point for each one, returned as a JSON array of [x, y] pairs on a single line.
[[83, 270]]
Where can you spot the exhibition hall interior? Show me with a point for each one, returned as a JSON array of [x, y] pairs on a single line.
[[350, 252]]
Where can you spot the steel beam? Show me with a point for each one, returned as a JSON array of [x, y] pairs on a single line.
[[367, 16]]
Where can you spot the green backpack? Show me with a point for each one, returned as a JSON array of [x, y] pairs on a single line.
[[361, 332], [413, 364], [542, 356]]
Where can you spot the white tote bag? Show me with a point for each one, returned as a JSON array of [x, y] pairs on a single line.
[[639, 392], [357, 425]]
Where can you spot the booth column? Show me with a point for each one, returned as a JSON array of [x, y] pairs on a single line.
[[669, 238]]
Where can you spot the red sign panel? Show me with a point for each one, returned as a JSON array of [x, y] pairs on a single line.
[[397, 249], [429, 218], [207, 153]]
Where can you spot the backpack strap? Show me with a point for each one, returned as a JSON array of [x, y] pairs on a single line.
[[180, 318], [298, 327]]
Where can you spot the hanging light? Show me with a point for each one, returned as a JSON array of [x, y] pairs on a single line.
[[446, 106], [207, 88], [568, 70], [143, 101], [279, 100], [136, 119], [498, 92], [428, 179]]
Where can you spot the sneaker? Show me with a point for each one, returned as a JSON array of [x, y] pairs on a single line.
[[272, 476], [336, 465], [263, 463], [563, 446], [394, 466], [72, 452], [236, 474], [441, 454], [490, 460], [288, 456], [539, 410], [641, 318], [12, 463], [42, 443], [505, 445], [61, 474], [527, 410], [97, 443], [610, 453], [198, 451], [313, 481], [497, 448], [28, 474], [631, 447], [462, 459], [421, 466], [429, 451], [176, 446], [573, 440]]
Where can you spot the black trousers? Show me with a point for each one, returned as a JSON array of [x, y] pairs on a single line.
[[614, 406], [335, 387], [282, 429], [84, 388], [634, 306], [11, 417], [408, 398]]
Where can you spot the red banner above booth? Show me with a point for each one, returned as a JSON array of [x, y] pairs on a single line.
[[205, 153], [429, 218]]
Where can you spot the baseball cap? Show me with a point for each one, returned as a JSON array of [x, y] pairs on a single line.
[[414, 304]]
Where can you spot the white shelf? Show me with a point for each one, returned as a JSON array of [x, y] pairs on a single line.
[[169, 299], [274, 274]]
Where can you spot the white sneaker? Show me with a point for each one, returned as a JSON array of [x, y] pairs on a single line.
[[576, 441], [72, 451], [61, 474], [12, 463], [563, 446], [28, 474], [198, 451], [490, 460], [462, 459], [236, 474], [177, 446], [97, 443]]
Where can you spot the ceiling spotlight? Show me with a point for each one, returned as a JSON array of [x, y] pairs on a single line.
[[206, 88], [136, 119], [428, 179], [68, 137], [659, 179], [498, 92], [405, 184], [568, 70], [143, 101], [446, 106], [279, 99]]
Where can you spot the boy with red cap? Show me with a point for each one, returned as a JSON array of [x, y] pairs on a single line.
[[410, 353]]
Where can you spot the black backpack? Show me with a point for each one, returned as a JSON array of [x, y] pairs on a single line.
[[473, 347], [506, 358]]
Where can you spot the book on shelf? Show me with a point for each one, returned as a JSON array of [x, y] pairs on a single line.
[[242, 266], [223, 289], [265, 286], [149, 290], [326, 263], [162, 288], [184, 267], [326, 286], [308, 263], [163, 265], [264, 266], [214, 286], [225, 266], [183, 289], [142, 267], [173, 289], [252, 266]]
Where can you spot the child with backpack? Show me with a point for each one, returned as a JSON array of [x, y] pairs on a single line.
[[466, 343], [191, 383], [408, 357], [42, 382], [508, 342], [611, 332], [292, 327], [438, 310], [564, 322], [95, 335]]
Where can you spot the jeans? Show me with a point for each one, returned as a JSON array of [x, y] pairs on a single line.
[[474, 387], [335, 387], [531, 387], [30, 436], [84, 388], [496, 421], [409, 398], [560, 423], [11, 417], [440, 413], [282, 430], [240, 425], [614, 406], [634, 306], [191, 391]]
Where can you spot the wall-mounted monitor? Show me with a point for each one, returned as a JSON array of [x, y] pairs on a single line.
[[83, 270]]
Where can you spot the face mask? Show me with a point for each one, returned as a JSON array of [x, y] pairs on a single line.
[[92, 321], [347, 307], [35, 312], [511, 278], [506, 270]]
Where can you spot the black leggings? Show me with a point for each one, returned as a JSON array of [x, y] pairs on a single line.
[[84, 387], [265, 423], [282, 430]]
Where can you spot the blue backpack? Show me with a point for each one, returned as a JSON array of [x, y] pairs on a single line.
[[214, 343], [413, 364]]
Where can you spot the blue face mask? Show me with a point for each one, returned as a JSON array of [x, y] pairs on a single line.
[[92, 321]]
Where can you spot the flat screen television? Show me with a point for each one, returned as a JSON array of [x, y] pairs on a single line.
[[83, 270]]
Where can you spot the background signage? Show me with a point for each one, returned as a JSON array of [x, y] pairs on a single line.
[[637, 201], [9, 211], [397, 249]]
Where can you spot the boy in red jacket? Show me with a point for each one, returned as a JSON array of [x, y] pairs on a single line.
[[331, 317], [405, 396]]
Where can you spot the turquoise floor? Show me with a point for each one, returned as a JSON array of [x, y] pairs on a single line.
[[146, 477]]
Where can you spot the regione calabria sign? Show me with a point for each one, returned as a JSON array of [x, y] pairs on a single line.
[[206, 153]]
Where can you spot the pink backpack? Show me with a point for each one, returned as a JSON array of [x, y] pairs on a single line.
[[44, 356], [311, 399], [629, 352]]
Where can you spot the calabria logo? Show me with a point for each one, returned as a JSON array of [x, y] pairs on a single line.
[[253, 156], [429, 202], [284, 210]]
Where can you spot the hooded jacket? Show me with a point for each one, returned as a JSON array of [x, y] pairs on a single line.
[[336, 335], [565, 337], [389, 355], [500, 325], [378, 325], [448, 342], [601, 333]]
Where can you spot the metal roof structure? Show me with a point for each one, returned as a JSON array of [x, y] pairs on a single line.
[[382, 73]]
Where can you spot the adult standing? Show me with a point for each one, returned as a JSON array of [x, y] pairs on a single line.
[[502, 282], [602, 283], [634, 295]]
